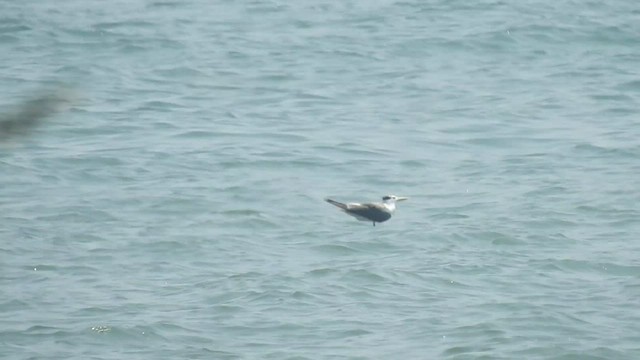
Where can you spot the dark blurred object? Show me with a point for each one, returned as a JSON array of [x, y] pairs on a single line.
[[27, 116]]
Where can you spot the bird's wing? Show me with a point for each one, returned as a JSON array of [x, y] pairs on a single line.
[[338, 204], [374, 212], [355, 207], [370, 212], [364, 208]]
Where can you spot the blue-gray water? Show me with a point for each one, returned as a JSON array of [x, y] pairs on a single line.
[[175, 208]]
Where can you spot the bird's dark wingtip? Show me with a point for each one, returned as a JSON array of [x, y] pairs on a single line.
[[336, 203]]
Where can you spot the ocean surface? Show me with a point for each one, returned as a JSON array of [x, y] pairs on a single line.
[[169, 204]]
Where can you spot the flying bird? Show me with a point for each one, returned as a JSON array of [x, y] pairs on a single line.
[[374, 212]]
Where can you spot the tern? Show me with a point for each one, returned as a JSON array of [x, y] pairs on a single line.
[[374, 212]]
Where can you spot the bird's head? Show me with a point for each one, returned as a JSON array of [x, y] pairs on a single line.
[[393, 198]]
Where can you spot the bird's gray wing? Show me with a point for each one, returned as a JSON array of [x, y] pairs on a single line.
[[373, 212], [337, 203]]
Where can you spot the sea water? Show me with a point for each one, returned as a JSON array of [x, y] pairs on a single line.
[[173, 208]]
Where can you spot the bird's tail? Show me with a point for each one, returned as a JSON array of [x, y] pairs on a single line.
[[338, 204]]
